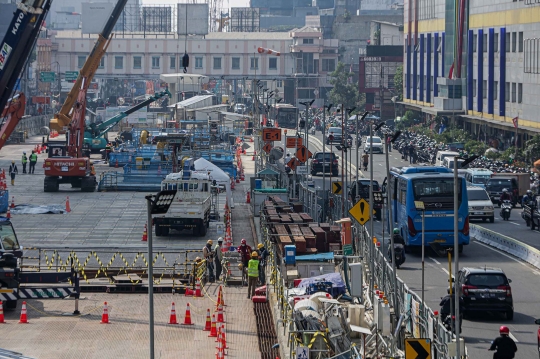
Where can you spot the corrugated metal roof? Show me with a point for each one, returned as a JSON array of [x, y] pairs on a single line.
[[191, 101]]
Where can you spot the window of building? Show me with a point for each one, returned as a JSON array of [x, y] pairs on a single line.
[[118, 62], [514, 41], [155, 62], [80, 61], [507, 92], [520, 93], [485, 43], [307, 41], [217, 63], [514, 92], [172, 62], [328, 65], [532, 56], [137, 62], [496, 42], [102, 63], [520, 41], [475, 89], [198, 63], [235, 63], [495, 90], [254, 63], [507, 42], [279, 83], [484, 89], [272, 63], [474, 42]]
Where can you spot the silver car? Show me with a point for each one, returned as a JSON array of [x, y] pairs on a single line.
[[480, 205]]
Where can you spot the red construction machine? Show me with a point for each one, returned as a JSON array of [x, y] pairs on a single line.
[[11, 114]]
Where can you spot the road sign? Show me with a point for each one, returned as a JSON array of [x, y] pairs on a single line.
[[267, 147], [347, 250], [418, 348], [47, 76], [302, 170], [294, 142], [72, 75], [271, 134], [302, 352], [360, 211], [293, 163], [303, 154], [336, 187]]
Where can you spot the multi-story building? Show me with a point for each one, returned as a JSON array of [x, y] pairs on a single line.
[[475, 65], [232, 57]]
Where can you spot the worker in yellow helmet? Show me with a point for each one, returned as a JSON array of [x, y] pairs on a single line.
[[253, 274], [209, 257]]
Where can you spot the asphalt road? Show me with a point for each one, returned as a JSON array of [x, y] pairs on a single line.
[[478, 331]]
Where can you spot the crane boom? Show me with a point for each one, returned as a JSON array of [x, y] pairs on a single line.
[[62, 119], [13, 112], [18, 42]]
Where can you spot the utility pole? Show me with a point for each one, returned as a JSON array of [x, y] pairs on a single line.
[[343, 165]]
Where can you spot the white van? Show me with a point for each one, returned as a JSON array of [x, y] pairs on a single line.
[[478, 176], [442, 154], [448, 162]]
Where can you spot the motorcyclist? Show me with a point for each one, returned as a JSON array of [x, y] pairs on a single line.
[[398, 241], [446, 304], [527, 199], [505, 196], [504, 345]]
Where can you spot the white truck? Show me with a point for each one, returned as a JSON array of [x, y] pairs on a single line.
[[191, 206]]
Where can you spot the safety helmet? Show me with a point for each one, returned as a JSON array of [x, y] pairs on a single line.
[[243, 241], [504, 330], [529, 192], [260, 245], [240, 265], [254, 254], [220, 239], [198, 259], [210, 242], [396, 230], [24, 153]]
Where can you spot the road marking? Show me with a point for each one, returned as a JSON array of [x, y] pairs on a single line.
[[501, 253], [513, 337], [517, 224], [434, 260], [442, 268]]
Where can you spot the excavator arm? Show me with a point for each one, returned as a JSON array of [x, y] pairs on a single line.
[[62, 119], [76, 126], [11, 115]]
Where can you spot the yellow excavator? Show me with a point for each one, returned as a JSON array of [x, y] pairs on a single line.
[[62, 119]]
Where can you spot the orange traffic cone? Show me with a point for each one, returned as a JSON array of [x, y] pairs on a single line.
[[219, 298], [248, 198], [12, 201], [220, 314], [213, 329], [116, 164], [8, 214], [187, 320], [68, 207], [254, 154], [222, 296], [172, 317], [24, 318], [189, 292], [223, 337], [105, 315], [208, 325], [198, 289], [1, 313], [219, 353], [145, 233], [218, 338]]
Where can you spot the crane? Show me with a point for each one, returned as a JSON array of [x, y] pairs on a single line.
[[61, 120], [12, 113]]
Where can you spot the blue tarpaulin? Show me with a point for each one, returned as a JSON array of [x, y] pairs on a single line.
[[329, 256]]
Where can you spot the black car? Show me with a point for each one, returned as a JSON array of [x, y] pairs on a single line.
[[363, 192], [486, 290], [324, 162]]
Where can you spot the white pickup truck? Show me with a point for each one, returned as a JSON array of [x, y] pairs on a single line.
[[191, 206]]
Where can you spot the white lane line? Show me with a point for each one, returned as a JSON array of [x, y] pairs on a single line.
[[441, 268], [501, 253], [513, 337], [434, 260], [516, 224]]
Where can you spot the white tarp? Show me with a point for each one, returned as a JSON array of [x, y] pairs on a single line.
[[217, 174]]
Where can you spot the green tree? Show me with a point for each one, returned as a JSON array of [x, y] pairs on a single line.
[[343, 92], [398, 82], [532, 149]]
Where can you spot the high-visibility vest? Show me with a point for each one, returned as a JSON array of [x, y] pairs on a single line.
[[253, 268], [33, 157], [24, 159]]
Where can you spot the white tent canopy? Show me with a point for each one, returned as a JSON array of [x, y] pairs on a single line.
[[217, 174]]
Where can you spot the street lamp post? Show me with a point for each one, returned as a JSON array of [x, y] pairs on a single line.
[[420, 207], [325, 108], [308, 106]]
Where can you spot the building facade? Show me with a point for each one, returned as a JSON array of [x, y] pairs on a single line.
[[480, 72]]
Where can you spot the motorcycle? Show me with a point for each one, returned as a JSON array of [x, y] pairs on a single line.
[[313, 130], [399, 251], [506, 210], [349, 142], [449, 322]]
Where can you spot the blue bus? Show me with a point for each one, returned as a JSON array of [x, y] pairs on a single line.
[[435, 187]]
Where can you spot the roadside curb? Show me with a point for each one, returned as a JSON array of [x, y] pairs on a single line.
[[506, 244]]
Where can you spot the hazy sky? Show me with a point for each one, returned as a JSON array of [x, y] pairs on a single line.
[[226, 3]]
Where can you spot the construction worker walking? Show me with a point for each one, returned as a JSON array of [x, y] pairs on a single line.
[[24, 160], [253, 274], [33, 161], [12, 172], [218, 257]]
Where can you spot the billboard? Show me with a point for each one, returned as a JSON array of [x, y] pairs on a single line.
[[192, 19], [157, 19], [94, 16], [245, 19]]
